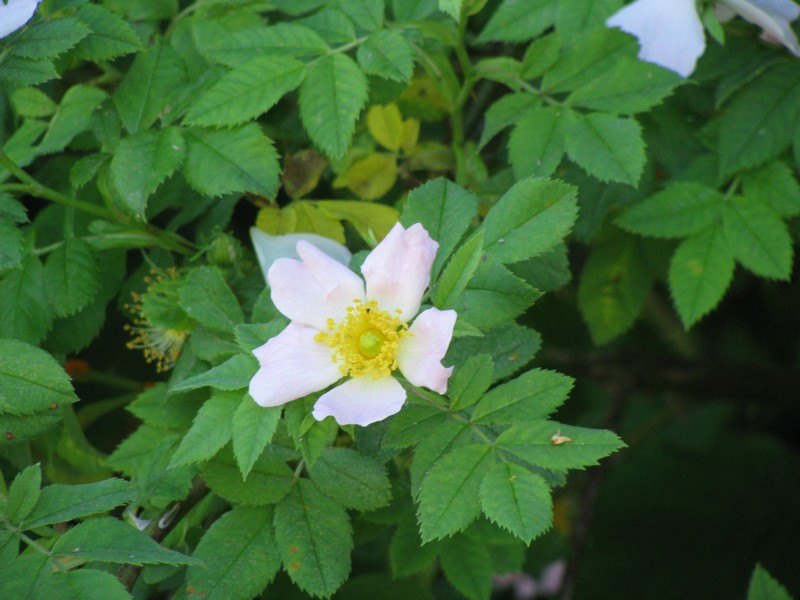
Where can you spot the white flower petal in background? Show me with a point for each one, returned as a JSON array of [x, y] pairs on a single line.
[[361, 401], [670, 33], [312, 290], [398, 270], [773, 16], [270, 248], [420, 354], [293, 365], [15, 14]]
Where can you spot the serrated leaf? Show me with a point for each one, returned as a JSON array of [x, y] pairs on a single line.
[[24, 311], [232, 48], [407, 553], [448, 498], [12, 209], [48, 39], [27, 71], [387, 53], [764, 586], [452, 8], [211, 430], [530, 219], [577, 16], [681, 210], [411, 425], [332, 25], [775, 186], [608, 148], [506, 112], [206, 298], [353, 479], [148, 87], [331, 98], [241, 159], [74, 116], [111, 35], [239, 555], [314, 539], [758, 124], [253, 428], [59, 503], [518, 20], [537, 142], [517, 500], [72, 277], [758, 237], [533, 442], [234, 374], [445, 210], [269, 479], [385, 124], [614, 285], [106, 539], [700, 272], [32, 102], [246, 92], [458, 272], [367, 14], [83, 584], [511, 346], [23, 494], [532, 395], [467, 564], [470, 381], [11, 244]]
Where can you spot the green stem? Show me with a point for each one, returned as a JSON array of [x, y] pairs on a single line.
[[45, 193]]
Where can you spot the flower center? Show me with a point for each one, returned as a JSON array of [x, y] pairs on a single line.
[[365, 341]]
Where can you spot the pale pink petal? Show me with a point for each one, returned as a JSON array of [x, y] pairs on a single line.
[[293, 365], [669, 31], [773, 17], [361, 401], [398, 270], [15, 14], [314, 289], [420, 353]]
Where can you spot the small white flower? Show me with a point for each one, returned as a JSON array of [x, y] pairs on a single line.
[[669, 32], [15, 14], [341, 327]]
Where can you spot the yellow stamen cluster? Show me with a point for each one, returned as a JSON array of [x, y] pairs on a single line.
[[366, 340]]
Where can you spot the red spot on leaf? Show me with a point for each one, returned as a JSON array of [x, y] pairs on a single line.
[[190, 590], [9, 435], [295, 565], [293, 549], [53, 406]]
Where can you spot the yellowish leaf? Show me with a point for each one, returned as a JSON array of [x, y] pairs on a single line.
[[385, 123], [410, 135], [372, 176], [370, 220], [310, 219]]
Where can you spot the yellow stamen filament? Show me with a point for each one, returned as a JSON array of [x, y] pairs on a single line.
[[365, 341]]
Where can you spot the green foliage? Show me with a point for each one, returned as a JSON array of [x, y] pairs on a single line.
[[764, 587]]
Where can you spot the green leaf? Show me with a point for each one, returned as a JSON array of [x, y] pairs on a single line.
[[11, 241], [74, 116], [775, 186], [445, 210], [407, 553], [233, 48], [246, 92], [27, 71], [608, 148], [234, 374], [764, 586], [31, 381], [518, 21], [614, 284], [506, 112], [239, 556], [32, 102], [681, 210], [142, 162], [517, 500], [511, 346], [314, 539], [448, 499], [700, 272], [59, 503], [531, 218], [758, 237], [452, 8], [11, 209], [23, 494], [537, 142], [23, 578], [253, 428], [533, 395], [220, 161], [459, 271], [111, 35], [269, 479], [533, 442], [630, 86], [413, 424], [206, 298], [367, 14], [470, 381], [211, 430], [72, 277], [574, 17], [148, 87], [467, 564], [387, 53], [48, 39], [331, 98], [106, 539], [83, 584], [758, 124], [356, 481], [541, 54]]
